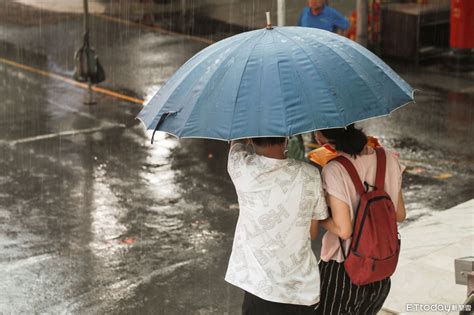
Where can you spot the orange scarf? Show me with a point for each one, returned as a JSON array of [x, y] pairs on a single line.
[[326, 153]]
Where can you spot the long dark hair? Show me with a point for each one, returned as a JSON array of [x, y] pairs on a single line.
[[350, 140]]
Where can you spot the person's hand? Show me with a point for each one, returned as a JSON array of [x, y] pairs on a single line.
[[245, 141]]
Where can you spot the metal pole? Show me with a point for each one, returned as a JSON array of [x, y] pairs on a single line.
[[269, 21], [281, 12], [90, 100], [183, 7], [90, 96], [86, 16], [183, 23], [362, 22]]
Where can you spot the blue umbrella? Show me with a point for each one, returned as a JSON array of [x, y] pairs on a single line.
[[278, 81]]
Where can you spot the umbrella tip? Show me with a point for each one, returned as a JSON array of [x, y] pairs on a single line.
[[269, 21]]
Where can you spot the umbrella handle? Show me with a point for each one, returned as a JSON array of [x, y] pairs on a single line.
[[160, 122]]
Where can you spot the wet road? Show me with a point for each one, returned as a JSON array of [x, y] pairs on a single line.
[[94, 219]]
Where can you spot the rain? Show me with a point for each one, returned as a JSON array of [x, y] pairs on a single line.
[[95, 219]]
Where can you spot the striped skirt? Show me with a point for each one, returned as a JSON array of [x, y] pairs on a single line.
[[339, 296]]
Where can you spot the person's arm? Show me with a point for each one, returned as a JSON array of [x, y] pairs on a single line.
[[340, 222], [300, 19], [242, 141], [341, 22], [314, 229], [401, 211], [320, 211]]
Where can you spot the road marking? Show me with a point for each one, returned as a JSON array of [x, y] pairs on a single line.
[[71, 81], [62, 134], [73, 110], [155, 28], [22, 263]]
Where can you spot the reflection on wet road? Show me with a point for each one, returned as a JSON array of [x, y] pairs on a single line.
[[434, 139], [103, 222]]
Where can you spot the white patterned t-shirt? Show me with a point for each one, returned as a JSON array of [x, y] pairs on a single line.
[[271, 255]]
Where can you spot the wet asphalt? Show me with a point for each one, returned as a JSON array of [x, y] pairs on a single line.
[[94, 219]]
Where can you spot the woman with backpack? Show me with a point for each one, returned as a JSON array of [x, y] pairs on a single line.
[[363, 191]]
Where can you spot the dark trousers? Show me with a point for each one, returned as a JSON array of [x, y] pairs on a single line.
[[253, 305], [340, 296]]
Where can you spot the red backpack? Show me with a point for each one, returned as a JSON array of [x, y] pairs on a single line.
[[373, 254]]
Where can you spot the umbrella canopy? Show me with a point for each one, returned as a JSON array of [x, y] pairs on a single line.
[[277, 81]]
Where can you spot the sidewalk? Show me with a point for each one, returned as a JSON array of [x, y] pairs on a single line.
[[425, 272]]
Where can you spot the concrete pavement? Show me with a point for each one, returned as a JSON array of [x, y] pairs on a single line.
[[425, 272]]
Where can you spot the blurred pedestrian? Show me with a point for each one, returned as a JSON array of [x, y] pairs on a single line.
[[280, 202], [339, 293], [318, 14]]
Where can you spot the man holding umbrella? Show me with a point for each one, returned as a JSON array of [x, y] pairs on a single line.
[[280, 201]]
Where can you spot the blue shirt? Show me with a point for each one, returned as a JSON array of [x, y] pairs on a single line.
[[328, 19]]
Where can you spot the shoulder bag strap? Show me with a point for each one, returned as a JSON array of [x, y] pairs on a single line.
[[342, 248]]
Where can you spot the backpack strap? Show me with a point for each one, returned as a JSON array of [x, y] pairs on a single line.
[[352, 173], [381, 166], [341, 242], [347, 164]]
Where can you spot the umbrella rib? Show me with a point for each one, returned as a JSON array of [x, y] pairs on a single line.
[[282, 97], [386, 114], [382, 66], [389, 72], [320, 70], [357, 73], [346, 122], [207, 57], [234, 49], [240, 84], [178, 83], [302, 92], [384, 73]]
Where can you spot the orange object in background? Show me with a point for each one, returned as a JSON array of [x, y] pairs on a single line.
[[373, 25], [462, 24], [351, 32], [322, 155], [326, 153], [373, 142]]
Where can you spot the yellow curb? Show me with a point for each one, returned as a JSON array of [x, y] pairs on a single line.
[[71, 81]]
